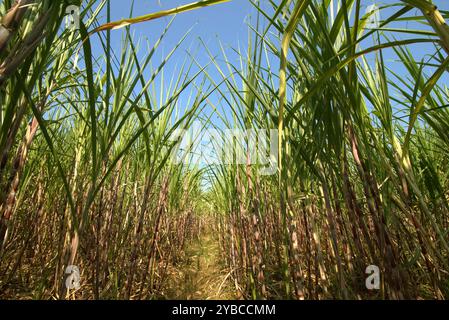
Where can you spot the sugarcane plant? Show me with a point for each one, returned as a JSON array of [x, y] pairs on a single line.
[[85, 140], [361, 181], [95, 186]]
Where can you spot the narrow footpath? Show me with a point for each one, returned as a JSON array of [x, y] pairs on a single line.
[[201, 276]]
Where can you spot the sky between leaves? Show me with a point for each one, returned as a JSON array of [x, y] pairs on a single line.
[[225, 23]]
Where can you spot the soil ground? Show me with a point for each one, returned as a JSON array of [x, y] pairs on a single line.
[[201, 276]]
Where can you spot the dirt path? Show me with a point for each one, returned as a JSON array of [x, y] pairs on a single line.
[[201, 276]]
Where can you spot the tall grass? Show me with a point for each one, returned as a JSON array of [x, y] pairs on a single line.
[[357, 185], [85, 173], [86, 138]]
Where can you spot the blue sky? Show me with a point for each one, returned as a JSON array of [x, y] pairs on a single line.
[[225, 22]]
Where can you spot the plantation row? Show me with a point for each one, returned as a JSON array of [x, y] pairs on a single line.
[[357, 186], [86, 146]]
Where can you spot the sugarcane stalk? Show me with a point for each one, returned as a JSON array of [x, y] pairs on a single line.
[[24, 49], [435, 19], [11, 21]]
